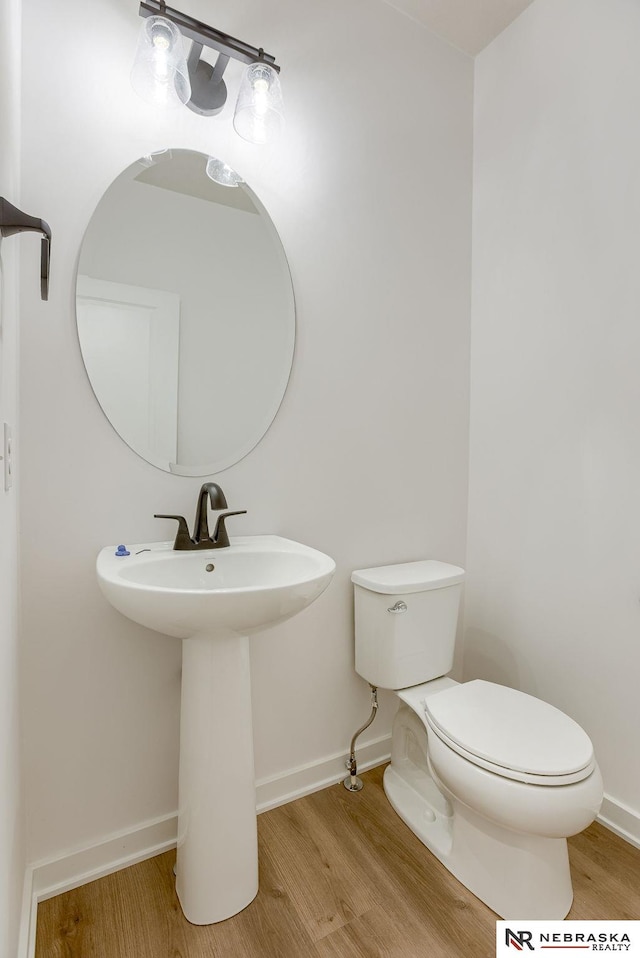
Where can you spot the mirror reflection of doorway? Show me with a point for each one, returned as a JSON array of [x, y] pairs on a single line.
[[130, 345]]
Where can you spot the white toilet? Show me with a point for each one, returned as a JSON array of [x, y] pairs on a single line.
[[491, 780]]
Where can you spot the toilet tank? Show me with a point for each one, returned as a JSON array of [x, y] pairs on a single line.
[[405, 621]]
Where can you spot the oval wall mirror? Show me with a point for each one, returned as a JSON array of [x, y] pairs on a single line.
[[185, 314]]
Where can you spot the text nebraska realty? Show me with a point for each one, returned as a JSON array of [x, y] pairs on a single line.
[[595, 941]]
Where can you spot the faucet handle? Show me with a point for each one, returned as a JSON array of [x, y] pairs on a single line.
[[183, 539], [220, 534]]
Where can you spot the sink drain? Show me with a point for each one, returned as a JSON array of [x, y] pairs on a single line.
[[209, 567]]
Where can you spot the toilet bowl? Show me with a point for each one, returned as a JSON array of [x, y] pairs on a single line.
[[491, 780]]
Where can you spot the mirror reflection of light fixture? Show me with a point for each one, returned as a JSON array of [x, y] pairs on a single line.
[[220, 172], [161, 74]]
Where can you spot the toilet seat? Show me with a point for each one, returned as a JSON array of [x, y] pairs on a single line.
[[510, 733]]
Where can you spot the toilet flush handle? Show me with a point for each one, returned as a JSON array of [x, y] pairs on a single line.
[[400, 606]]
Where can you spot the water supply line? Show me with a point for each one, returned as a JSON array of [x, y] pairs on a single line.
[[352, 783]]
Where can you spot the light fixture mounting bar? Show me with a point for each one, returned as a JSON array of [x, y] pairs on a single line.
[[206, 35]]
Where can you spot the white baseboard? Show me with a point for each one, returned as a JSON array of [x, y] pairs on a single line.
[[621, 819], [47, 878], [82, 865], [305, 779], [27, 931]]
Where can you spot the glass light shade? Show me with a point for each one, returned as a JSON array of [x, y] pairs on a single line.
[[159, 74], [259, 115], [222, 173]]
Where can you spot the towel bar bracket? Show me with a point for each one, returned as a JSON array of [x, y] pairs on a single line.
[[12, 221]]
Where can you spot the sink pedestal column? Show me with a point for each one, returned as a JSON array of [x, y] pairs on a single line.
[[217, 864]]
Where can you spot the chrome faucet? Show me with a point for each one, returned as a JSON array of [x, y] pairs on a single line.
[[210, 494]]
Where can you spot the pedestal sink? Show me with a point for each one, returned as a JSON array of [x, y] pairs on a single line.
[[214, 600]]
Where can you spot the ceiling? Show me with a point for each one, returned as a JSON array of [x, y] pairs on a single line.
[[469, 25]]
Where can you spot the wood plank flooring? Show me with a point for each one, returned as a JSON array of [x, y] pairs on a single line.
[[340, 877]]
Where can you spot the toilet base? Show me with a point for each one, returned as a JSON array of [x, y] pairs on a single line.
[[516, 875]]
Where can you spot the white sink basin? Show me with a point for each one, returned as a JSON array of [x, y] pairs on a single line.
[[214, 599], [256, 582]]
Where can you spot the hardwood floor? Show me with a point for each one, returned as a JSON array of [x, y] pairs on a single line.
[[340, 877]]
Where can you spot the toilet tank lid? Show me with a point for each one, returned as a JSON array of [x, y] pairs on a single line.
[[407, 577]]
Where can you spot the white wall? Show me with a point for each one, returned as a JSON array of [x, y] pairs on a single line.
[[12, 851], [554, 517], [367, 459]]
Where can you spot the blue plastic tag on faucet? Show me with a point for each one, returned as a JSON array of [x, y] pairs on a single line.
[[122, 551]]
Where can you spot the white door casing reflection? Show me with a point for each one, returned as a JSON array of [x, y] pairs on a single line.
[[130, 340]]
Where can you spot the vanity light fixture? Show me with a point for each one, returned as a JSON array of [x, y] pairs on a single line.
[[162, 74]]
